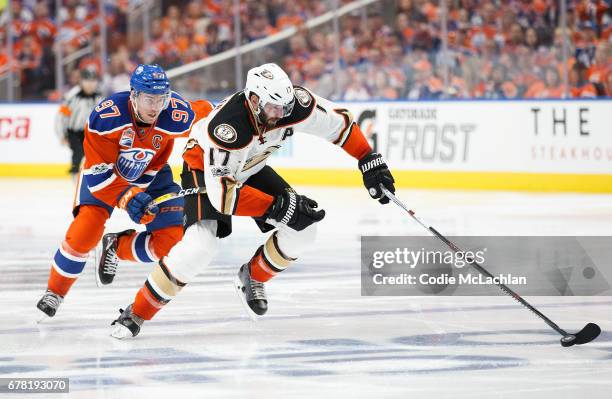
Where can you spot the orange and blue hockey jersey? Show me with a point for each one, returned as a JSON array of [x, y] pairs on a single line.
[[119, 153]]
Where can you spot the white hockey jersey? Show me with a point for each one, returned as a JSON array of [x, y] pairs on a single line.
[[230, 146]]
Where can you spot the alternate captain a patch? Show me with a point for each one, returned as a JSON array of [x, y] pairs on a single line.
[[226, 133]]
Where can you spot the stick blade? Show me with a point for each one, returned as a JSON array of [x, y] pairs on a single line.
[[584, 336]]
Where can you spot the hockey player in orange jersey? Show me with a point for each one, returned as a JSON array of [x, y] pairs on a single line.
[[128, 139]]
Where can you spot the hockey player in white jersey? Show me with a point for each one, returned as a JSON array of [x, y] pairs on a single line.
[[226, 155]]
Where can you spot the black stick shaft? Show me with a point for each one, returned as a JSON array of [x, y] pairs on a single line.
[[474, 264]]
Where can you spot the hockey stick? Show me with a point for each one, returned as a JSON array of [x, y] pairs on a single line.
[[170, 196], [586, 335]]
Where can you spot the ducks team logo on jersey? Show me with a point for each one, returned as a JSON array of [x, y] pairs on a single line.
[[225, 132], [127, 138], [302, 96], [132, 163]]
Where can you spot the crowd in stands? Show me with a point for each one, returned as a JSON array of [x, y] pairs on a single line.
[[496, 50], [394, 49]]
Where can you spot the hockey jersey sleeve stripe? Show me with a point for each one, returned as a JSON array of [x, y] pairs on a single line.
[[356, 144], [345, 132], [94, 179], [175, 133], [146, 178], [103, 184], [105, 132]]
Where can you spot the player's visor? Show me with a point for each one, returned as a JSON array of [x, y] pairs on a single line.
[[278, 111], [154, 101]]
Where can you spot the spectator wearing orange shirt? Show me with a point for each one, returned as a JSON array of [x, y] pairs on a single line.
[[172, 19], [43, 28], [602, 64], [403, 26], [550, 87], [580, 86], [291, 16], [489, 16], [592, 10], [73, 28]]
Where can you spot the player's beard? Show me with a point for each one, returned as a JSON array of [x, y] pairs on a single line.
[[268, 123]]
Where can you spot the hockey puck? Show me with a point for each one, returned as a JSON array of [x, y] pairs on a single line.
[[568, 340]]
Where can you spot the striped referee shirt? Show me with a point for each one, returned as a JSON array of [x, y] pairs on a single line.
[[75, 110]]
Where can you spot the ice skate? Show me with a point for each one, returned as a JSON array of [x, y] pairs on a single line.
[[252, 293], [127, 325], [49, 304], [106, 259]]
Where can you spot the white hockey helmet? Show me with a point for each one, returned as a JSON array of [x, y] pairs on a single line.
[[273, 87]]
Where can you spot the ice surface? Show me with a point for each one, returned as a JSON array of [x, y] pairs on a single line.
[[321, 338]]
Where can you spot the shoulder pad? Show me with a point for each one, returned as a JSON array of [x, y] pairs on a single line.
[[177, 118], [111, 114], [305, 103], [201, 108], [231, 127]]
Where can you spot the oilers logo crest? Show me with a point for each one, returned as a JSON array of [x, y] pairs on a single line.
[[133, 162]]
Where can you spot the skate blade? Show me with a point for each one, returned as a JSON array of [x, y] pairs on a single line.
[[97, 254], [121, 332], [238, 287], [43, 319]]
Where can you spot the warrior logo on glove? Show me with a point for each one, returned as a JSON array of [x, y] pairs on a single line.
[[375, 172]]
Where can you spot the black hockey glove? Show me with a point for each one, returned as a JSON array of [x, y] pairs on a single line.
[[375, 172], [294, 210]]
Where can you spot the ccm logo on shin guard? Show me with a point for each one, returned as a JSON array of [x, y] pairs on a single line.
[[290, 209]]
